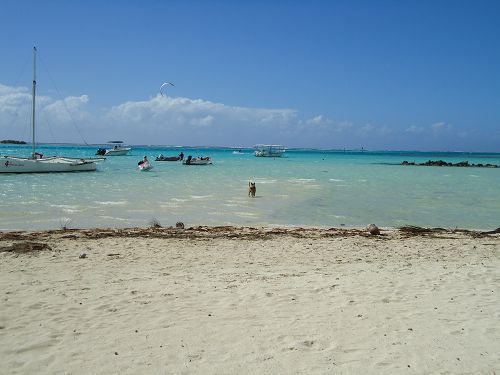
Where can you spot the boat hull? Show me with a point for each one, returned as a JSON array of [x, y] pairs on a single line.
[[264, 154], [172, 158], [117, 152], [45, 165], [197, 162]]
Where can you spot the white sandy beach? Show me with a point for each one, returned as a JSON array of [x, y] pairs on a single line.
[[242, 301]]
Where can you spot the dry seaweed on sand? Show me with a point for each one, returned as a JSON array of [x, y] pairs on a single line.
[[25, 247], [410, 230], [243, 233]]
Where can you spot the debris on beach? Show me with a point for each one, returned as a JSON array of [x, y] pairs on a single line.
[[154, 223], [373, 229], [179, 225], [82, 256], [228, 231], [25, 247]]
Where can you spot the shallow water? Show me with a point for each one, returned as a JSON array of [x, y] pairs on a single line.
[[306, 187]]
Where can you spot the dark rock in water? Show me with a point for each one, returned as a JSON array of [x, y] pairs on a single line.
[[442, 163], [373, 229], [179, 225], [82, 256]]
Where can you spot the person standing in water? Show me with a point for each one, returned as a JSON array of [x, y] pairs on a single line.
[[144, 161]]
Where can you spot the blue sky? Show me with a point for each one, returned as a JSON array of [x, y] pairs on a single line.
[[412, 75]]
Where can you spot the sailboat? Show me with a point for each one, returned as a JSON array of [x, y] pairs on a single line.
[[37, 163]]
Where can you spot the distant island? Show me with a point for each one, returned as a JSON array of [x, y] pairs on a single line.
[[13, 142]]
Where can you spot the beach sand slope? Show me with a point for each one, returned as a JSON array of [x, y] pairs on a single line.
[[248, 301]]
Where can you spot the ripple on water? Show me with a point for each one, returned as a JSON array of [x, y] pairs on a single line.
[[264, 181], [178, 200], [301, 180], [112, 203], [245, 214]]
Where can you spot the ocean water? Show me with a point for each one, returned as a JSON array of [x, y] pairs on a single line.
[[304, 188]]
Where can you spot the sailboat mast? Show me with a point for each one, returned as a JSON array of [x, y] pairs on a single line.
[[33, 94]]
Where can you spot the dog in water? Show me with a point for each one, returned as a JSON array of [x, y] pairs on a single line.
[[251, 189]]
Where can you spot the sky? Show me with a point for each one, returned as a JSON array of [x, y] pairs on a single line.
[[378, 75]]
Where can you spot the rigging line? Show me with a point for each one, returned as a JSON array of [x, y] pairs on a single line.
[[22, 71], [49, 127], [62, 100]]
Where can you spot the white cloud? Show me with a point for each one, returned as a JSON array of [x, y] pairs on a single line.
[[186, 121], [415, 129], [435, 130], [440, 127], [12, 99], [317, 120], [203, 121], [67, 109]]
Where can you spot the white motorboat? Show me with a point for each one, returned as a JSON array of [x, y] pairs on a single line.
[[197, 161], [117, 150], [39, 164], [273, 151]]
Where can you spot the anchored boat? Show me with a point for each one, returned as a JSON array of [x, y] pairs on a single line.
[[37, 163], [274, 151], [118, 149]]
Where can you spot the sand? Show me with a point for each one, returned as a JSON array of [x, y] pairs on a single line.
[[249, 301]]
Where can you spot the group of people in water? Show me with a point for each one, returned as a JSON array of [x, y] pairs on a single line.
[[191, 159], [162, 157]]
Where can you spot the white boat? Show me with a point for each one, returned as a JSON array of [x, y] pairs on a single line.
[[14, 164], [273, 151], [197, 161], [39, 164], [117, 150]]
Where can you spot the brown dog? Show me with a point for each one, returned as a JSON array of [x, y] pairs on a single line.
[[252, 189]]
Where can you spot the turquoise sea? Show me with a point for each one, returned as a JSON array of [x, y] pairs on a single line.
[[304, 188]]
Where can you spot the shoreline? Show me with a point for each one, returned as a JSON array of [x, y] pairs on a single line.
[[245, 232], [214, 300], [241, 232]]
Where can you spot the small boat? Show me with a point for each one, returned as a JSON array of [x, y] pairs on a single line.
[[167, 158], [197, 161], [37, 163], [117, 150], [273, 151]]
